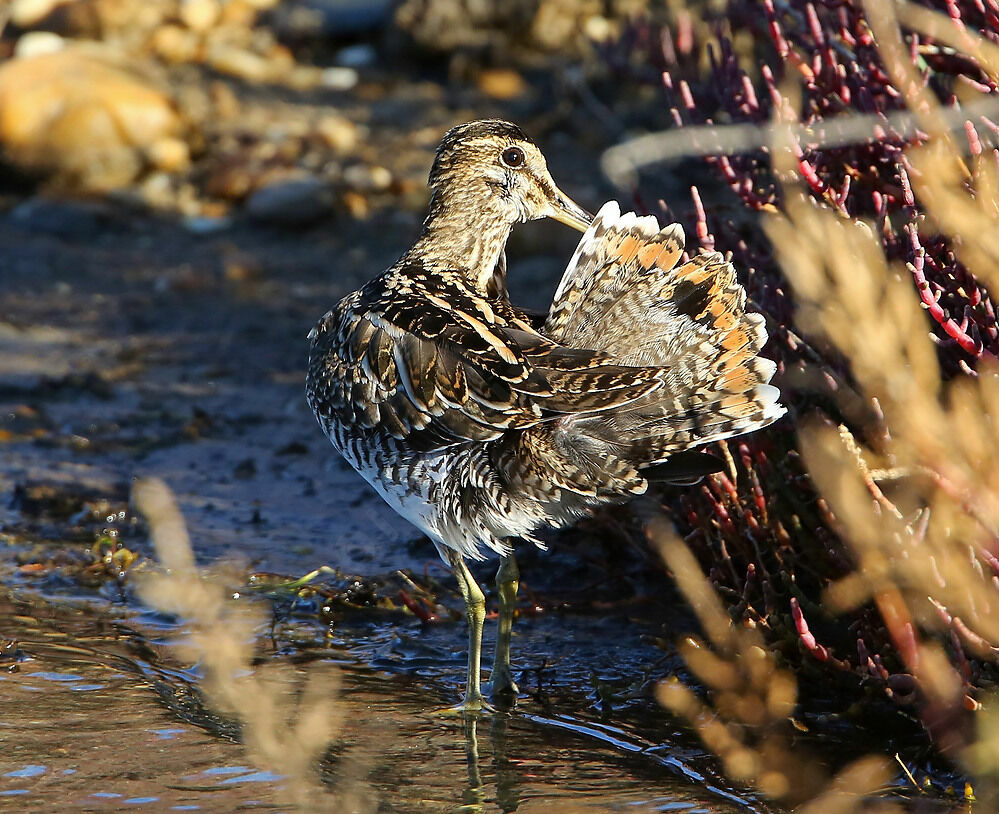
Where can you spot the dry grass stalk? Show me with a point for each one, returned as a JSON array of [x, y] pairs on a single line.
[[286, 724], [925, 552], [748, 721]]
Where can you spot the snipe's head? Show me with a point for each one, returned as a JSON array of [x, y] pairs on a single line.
[[491, 166]]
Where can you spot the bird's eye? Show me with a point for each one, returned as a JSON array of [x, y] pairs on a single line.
[[513, 157]]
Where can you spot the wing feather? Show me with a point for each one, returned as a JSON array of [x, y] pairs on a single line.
[[418, 366]]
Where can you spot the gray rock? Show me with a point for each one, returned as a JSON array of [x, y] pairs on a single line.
[[362, 55], [331, 18], [206, 224], [67, 219], [295, 201]]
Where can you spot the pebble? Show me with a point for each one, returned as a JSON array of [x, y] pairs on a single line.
[[357, 205], [68, 219], [169, 155], [361, 55], [304, 77], [176, 44], [238, 14], [599, 29], [231, 178], [206, 225], [225, 103], [322, 19], [367, 178], [240, 63], [157, 191], [339, 78], [27, 13], [338, 132], [36, 43], [292, 201], [200, 15], [501, 83], [295, 21]]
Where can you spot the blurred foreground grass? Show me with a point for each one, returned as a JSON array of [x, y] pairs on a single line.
[[285, 730]]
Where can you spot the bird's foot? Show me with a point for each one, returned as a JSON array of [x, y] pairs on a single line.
[[503, 690], [469, 706]]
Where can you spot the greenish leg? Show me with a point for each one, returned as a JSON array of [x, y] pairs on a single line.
[[507, 584], [474, 797], [475, 610]]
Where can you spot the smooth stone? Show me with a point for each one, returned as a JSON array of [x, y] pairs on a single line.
[[294, 201], [78, 116]]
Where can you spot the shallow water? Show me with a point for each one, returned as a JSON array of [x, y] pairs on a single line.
[[98, 716]]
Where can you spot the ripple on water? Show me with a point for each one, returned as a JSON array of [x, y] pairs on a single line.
[[31, 770], [48, 675], [153, 710], [253, 777], [224, 770], [167, 734]]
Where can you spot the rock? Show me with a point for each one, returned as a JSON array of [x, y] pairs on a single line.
[[503, 26], [36, 43], [199, 15], [296, 200], [501, 83], [273, 66], [225, 103], [28, 13], [176, 44], [231, 179], [239, 62], [444, 25], [304, 77], [76, 220], [204, 225], [365, 178], [339, 78], [600, 29], [77, 116], [157, 191], [94, 19], [339, 133], [238, 14], [357, 205], [361, 55], [298, 21], [169, 155], [321, 19]]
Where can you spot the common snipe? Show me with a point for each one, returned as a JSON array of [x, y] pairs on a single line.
[[481, 423]]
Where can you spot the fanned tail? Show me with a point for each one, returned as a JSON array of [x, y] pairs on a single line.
[[624, 295]]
